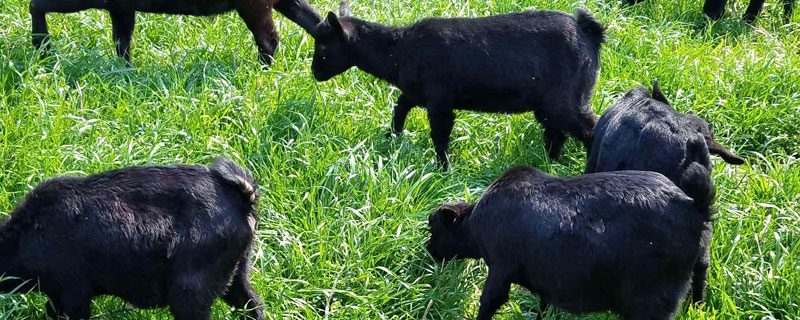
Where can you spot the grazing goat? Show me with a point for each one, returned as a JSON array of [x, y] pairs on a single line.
[[257, 14], [156, 236], [641, 132], [614, 241], [540, 61]]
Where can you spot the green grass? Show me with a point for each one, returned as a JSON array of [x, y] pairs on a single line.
[[344, 209]]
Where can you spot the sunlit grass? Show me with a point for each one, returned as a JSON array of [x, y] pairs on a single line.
[[343, 213]]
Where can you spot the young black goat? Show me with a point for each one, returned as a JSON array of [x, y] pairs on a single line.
[[618, 241], [257, 14], [176, 236], [715, 8], [540, 61], [641, 132]]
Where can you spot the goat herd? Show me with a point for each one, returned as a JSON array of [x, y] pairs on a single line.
[[630, 236]]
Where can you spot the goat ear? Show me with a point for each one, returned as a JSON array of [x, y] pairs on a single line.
[[450, 213], [657, 94], [333, 21], [344, 9], [724, 153]]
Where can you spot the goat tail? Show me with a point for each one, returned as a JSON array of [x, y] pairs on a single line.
[[232, 174], [591, 26], [696, 183]]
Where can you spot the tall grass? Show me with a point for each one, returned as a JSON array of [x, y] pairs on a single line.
[[344, 209]]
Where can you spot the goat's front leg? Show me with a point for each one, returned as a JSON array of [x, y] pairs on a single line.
[[543, 305], [401, 110], [75, 304], [122, 23], [257, 15], [301, 13], [495, 292]]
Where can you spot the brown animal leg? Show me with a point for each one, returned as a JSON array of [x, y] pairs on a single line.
[[257, 15]]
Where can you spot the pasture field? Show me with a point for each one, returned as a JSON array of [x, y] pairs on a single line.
[[344, 209]]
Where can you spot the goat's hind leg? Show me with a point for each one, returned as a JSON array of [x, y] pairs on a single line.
[[660, 301], [241, 294], [39, 10], [190, 297], [645, 311], [700, 268]]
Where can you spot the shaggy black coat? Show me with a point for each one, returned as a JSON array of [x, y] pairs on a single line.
[[618, 241], [257, 14], [540, 61], [641, 132], [158, 236]]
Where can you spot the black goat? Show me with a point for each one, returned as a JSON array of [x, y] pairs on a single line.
[[257, 14], [540, 61], [715, 8], [176, 236], [641, 132], [615, 241]]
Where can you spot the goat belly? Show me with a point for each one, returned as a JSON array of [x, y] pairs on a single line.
[[495, 100]]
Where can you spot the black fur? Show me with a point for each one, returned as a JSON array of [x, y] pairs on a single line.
[[619, 241], [158, 236], [257, 14], [540, 61], [641, 132]]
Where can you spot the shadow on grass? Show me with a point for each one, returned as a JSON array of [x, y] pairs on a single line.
[[731, 31], [191, 69]]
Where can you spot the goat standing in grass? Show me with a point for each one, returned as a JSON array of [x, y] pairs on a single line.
[[257, 14], [644, 132], [614, 241], [156, 236], [540, 61]]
